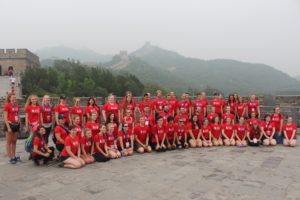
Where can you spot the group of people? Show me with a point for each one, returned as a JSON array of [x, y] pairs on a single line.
[[83, 135]]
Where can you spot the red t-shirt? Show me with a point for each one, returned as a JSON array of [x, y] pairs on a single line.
[[240, 130], [218, 104], [129, 121], [268, 127], [289, 129], [125, 137], [170, 130], [251, 121], [158, 103], [87, 144], [12, 112], [276, 119], [141, 132], [172, 104], [101, 140], [77, 111], [63, 109], [228, 115], [33, 114], [253, 106], [254, 134], [200, 103], [40, 143], [181, 131], [110, 139], [90, 109], [60, 131], [211, 116], [114, 108], [94, 126], [149, 119], [182, 116], [143, 103], [228, 130], [205, 132], [232, 106], [79, 132], [216, 130], [129, 106], [165, 116], [71, 142], [185, 104], [47, 114], [159, 131], [194, 130], [241, 109]]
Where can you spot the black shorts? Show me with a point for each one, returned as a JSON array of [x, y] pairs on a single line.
[[63, 158], [137, 146], [14, 127], [99, 157]]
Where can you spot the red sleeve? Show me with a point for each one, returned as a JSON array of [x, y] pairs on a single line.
[[189, 126], [36, 141], [136, 130], [82, 140], [57, 130], [67, 142], [104, 107], [96, 138], [120, 134], [57, 108], [27, 109], [6, 107]]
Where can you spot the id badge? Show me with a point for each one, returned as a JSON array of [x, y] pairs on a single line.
[[17, 118], [48, 118], [127, 144], [179, 137], [147, 123]]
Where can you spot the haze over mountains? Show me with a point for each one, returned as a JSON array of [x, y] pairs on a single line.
[[152, 64]]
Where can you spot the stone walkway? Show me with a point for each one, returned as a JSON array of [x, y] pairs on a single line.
[[212, 173]]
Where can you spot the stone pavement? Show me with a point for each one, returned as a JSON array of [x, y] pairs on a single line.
[[211, 173]]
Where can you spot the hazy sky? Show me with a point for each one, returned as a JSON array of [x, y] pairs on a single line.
[[260, 31]]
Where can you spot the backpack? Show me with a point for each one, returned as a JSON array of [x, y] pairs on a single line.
[[29, 144]]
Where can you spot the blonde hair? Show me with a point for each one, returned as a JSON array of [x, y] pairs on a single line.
[[28, 101]]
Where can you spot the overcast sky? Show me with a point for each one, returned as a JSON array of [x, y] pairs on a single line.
[[259, 31]]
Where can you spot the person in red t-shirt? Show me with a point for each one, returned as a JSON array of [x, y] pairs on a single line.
[[277, 119], [41, 151], [289, 130], [32, 114], [228, 132], [76, 122], [241, 108], [111, 107], [146, 101], [182, 115], [148, 116], [212, 114], [12, 126], [77, 110], [254, 134], [172, 103], [141, 133], [126, 140], [206, 133], [63, 108], [181, 134], [93, 124], [111, 119], [216, 131], [240, 132], [231, 103], [170, 134], [128, 103], [128, 119], [100, 145], [47, 116], [268, 130], [86, 145], [217, 102], [194, 132], [60, 132], [70, 155], [90, 108], [158, 103], [200, 105], [228, 114], [253, 106], [158, 136], [111, 139], [252, 120], [165, 113], [186, 104]]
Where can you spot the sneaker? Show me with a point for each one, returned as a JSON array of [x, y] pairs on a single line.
[[18, 159], [12, 161]]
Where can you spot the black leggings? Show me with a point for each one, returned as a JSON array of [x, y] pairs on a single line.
[[253, 144], [46, 136], [37, 158], [99, 157]]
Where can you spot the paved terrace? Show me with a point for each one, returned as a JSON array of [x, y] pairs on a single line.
[[211, 173]]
